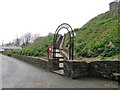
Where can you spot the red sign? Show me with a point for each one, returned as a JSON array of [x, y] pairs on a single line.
[[50, 49], [50, 52]]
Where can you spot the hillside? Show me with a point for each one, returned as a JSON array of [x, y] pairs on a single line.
[[38, 48], [97, 38]]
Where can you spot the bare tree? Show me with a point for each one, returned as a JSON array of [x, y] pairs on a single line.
[[17, 42], [34, 37], [21, 40], [9, 44], [27, 37], [24, 39]]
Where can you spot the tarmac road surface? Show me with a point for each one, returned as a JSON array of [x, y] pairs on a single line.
[[18, 74]]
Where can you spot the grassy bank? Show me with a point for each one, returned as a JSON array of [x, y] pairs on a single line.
[[97, 38]]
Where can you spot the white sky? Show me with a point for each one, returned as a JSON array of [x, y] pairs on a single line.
[[18, 17]]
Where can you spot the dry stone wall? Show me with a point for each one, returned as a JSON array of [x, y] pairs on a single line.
[[53, 64], [77, 69], [104, 69], [35, 61]]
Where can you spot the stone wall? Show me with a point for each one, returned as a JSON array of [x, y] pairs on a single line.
[[53, 64], [75, 69], [42, 63], [49, 65], [104, 69]]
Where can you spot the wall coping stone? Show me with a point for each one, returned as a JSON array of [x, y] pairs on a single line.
[[33, 57], [74, 61]]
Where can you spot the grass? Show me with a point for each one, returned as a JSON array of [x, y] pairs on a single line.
[[98, 37]]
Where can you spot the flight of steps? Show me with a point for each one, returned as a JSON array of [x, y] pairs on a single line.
[[60, 56]]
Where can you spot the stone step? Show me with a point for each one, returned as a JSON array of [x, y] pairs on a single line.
[[55, 52], [61, 61], [61, 65], [60, 72], [61, 68], [59, 57]]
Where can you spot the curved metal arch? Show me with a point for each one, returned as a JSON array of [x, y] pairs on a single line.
[[56, 35], [62, 25], [66, 26]]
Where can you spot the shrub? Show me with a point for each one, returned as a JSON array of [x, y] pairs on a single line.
[[36, 53]]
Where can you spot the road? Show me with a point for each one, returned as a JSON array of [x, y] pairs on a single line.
[[18, 74]]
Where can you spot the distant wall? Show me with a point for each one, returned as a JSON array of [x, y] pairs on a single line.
[[42, 63], [49, 65]]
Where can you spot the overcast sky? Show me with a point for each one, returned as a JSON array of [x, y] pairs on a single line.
[[43, 16]]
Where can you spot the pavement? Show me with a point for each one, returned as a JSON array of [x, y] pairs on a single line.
[[18, 74]]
